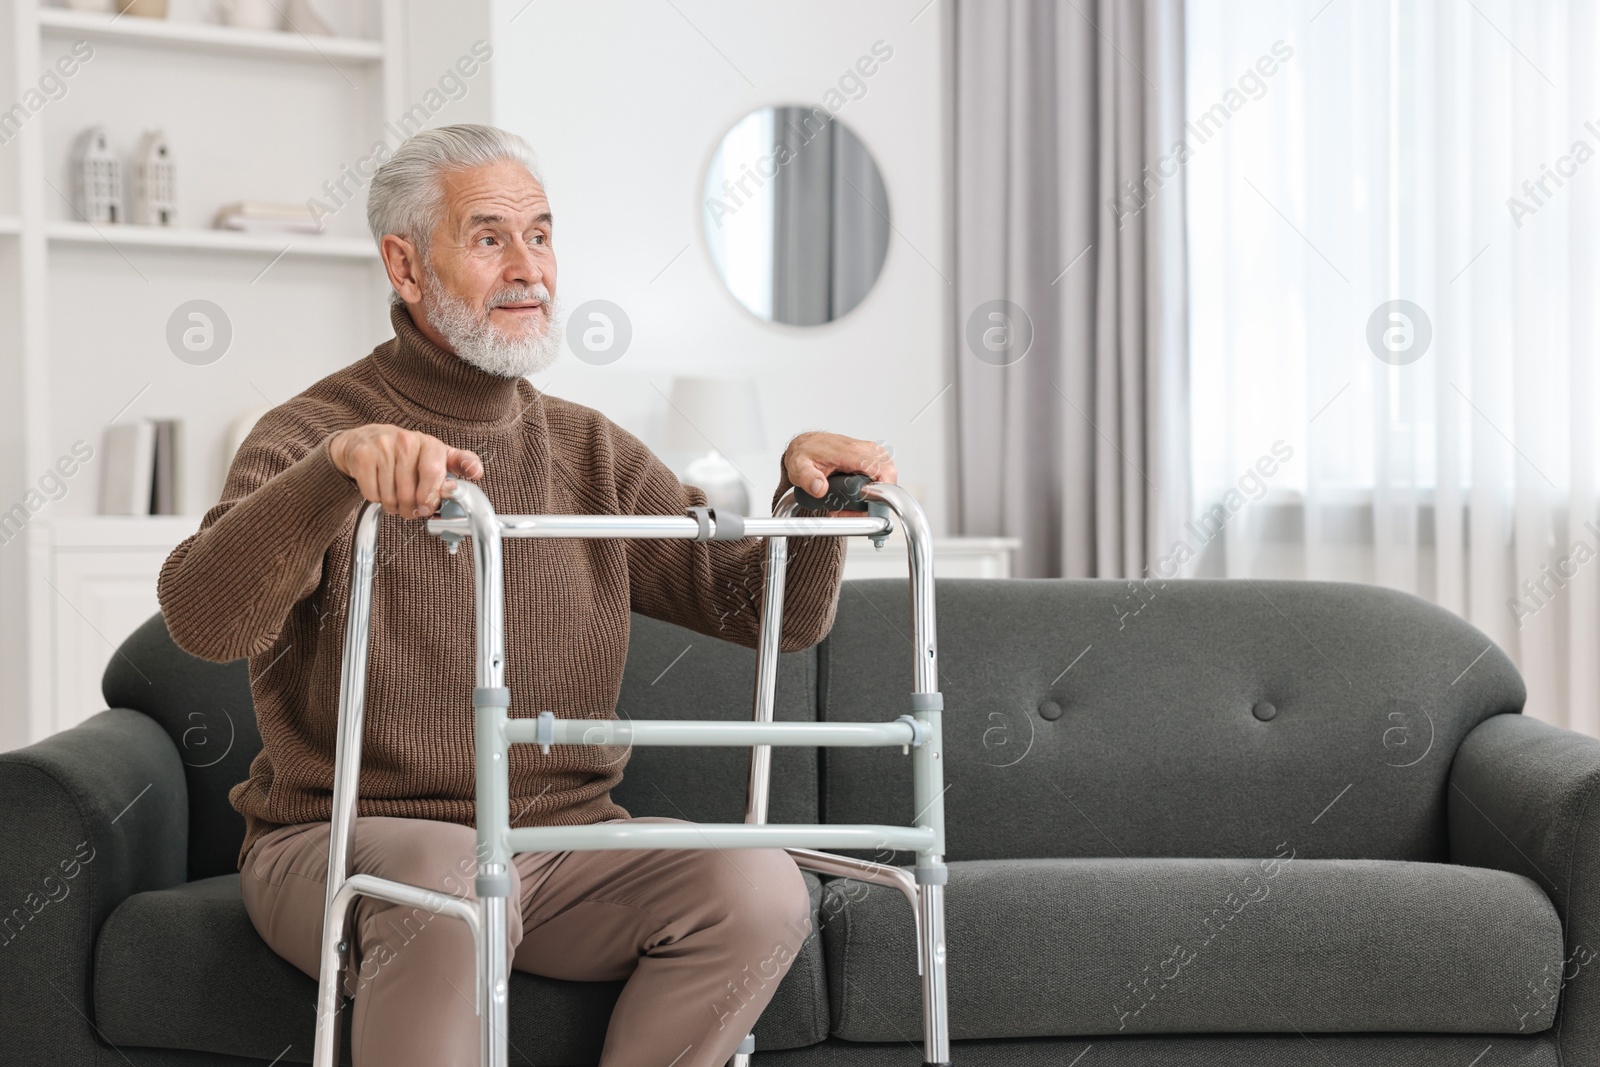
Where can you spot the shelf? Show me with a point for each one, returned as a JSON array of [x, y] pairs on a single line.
[[196, 240], [208, 37]]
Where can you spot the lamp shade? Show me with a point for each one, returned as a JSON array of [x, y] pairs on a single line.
[[713, 414]]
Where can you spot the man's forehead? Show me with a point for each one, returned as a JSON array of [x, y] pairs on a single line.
[[492, 194]]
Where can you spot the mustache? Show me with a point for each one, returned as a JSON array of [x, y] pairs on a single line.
[[538, 293]]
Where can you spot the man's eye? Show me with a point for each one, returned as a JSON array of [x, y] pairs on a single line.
[[538, 239], [486, 237]]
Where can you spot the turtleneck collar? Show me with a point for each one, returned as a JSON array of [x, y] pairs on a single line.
[[441, 381]]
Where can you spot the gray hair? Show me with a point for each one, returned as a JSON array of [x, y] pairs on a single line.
[[406, 197]]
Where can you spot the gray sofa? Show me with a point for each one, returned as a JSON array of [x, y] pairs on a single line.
[[1225, 823]]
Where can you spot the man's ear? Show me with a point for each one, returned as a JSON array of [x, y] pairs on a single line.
[[404, 266]]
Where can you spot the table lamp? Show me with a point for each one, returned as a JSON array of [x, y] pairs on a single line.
[[713, 416]]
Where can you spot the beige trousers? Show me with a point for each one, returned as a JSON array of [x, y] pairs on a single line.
[[702, 937]]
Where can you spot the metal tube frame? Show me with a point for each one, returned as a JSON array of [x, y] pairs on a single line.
[[470, 516], [924, 887]]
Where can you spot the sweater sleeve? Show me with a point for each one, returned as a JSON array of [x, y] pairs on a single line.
[[227, 590], [716, 587]]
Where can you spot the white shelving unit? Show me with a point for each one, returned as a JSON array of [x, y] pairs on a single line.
[[197, 240], [203, 37], [84, 309]]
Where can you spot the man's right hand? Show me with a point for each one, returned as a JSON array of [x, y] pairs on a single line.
[[404, 470]]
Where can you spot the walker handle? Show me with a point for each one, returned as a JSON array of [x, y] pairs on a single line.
[[844, 493]]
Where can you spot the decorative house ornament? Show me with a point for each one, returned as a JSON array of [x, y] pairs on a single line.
[[303, 18], [97, 177], [154, 182], [150, 9]]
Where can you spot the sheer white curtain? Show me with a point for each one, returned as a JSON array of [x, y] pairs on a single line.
[[1444, 153]]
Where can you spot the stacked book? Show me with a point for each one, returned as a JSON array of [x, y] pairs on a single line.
[[261, 216], [140, 476]]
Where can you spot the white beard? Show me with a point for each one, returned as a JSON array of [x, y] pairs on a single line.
[[479, 342]]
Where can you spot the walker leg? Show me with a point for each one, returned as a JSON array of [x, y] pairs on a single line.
[[492, 992], [741, 1055], [346, 775], [490, 701], [325, 1046], [935, 1000]]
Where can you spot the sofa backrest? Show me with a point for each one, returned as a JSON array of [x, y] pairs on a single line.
[[671, 673], [1082, 718], [1180, 719], [207, 710]]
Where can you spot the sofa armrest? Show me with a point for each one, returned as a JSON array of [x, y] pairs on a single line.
[[92, 815], [1525, 797]]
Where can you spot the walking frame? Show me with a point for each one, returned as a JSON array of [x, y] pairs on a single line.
[[468, 514]]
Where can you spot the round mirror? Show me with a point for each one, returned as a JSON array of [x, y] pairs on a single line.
[[796, 215]]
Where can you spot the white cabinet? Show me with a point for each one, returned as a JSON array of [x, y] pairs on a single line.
[[953, 557], [94, 584]]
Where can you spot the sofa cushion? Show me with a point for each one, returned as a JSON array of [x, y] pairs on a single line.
[[183, 968], [1188, 718], [1201, 1050], [674, 673], [1042, 948]]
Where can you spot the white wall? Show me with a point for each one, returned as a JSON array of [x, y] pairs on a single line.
[[437, 36], [625, 103]]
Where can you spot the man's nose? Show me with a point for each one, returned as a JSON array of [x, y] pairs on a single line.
[[522, 264]]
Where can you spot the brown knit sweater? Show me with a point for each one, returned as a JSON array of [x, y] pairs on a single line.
[[267, 576]]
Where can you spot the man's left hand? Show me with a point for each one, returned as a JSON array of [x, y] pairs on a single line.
[[812, 457]]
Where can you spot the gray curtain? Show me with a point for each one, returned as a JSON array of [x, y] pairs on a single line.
[[830, 219], [1068, 202]]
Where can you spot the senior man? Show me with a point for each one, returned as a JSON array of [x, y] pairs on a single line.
[[465, 232]]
